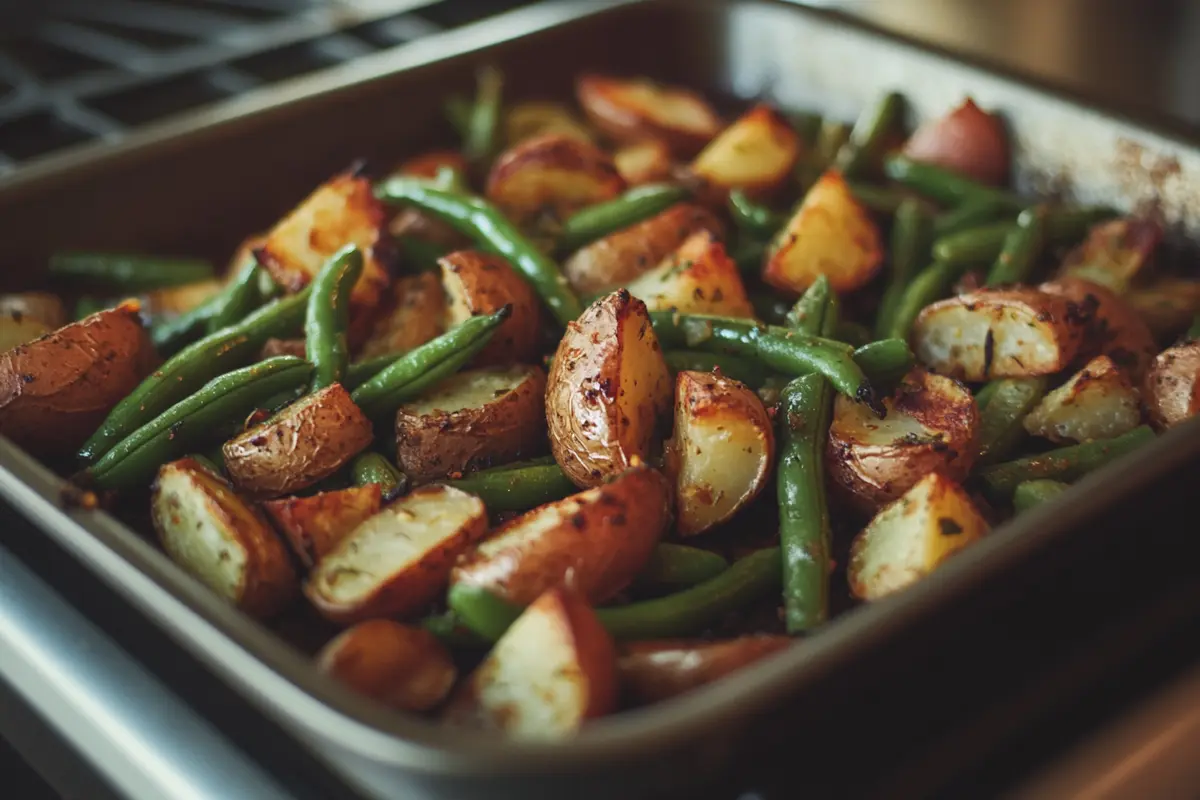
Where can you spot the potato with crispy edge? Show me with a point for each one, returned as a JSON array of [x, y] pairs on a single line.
[[43, 307], [552, 175], [402, 666], [314, 525], [1098, 402], [698, 278], [1171, 391], [220, 539], [478, 283], [757, 153], [1112, 327], [472, 420], [171, 301], [721, 454], [414, 313], [1167, 306], [431, 162], [644, 162], [1114, 253], [397, 561], [56, 390], [551, 671], [539, 117], [912, 537], [305, 442], [830, 234], [635, 110], [607, 389], [596, 541], [932, 425], [620, 257], [653, 671], [1000, 333]]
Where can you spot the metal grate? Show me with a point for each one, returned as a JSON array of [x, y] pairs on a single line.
[[78, 71]]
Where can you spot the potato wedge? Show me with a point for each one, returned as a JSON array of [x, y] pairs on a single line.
[[617, 259], [220, 539], [1098, 402], [402, 666], [430, 163], [56, 390], [477, 283], [1000, 333], [171, 301], [42, 307], [340, 212], [414, 223], [1171, 391], [415, 313], [1167, 306], [912, 537], [721, 454], [1113, 328], [397, 561], [314, 525], [551, 671], [596, 541], [968, 140], [698, 278], [473, 420], [644, 162], [635, 110], [830, 234], [650, 672], [607, 388], [242, 256], [932, 425], [305, 442], [1114, 253], [551, 175], [757, 153], [536, 118]]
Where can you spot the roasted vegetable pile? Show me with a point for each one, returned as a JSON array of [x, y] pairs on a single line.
[[610, 401]]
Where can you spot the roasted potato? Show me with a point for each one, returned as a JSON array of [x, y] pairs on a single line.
[[607, 388], [397, 561], [650, 672], [171, 301], [412, 222], [1098, 402], [305, 442], [912, 537], [242, 256], [968, 140], [477, 283], [552, 175], [635, 110], [401, 666], [1167, 306], [932, 425], [620, 257], [551, 671], [596, 541], [830, 234], [537, 118], [721, 454], [56, 390], [431, 162], [314, 525], [342, 211], [1000, 333], [42, 307], [644, 162], [698, 278], [1112, 327], [414, 314], [220, 539], [1172, 392], [472, 420], [757, 153], [1114, 253]]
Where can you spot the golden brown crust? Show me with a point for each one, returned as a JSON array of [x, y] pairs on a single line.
[[415, 313], [313, 525], [402, 666], [634, 110], [476, 284], [757, 154], [1112, 328]]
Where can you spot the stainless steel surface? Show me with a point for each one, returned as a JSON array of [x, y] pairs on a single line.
[[748, 48]]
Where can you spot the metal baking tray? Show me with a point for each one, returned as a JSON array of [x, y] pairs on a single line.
[[199, 183]]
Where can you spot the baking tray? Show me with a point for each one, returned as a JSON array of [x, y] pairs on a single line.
[[198, 184]]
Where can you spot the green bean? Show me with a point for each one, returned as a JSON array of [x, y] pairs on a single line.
[[1029, 494], [740, 369], [458, 113], [985, 394], [679, 566], [852, 333], [368, 468], [942, 185], [449, 629], [879, 199], [752, 217], [910, 248], [1022, 248], [973, 247], [360, 372], [517, 487], [634, 206], [1065, 226], [770, 307], [1064, 464], [808, 315], [484, 120], [805, 534], [190, 422], [242, 296], [830, 138], [205, 462], [420, 255], [973, 214], [483, 222], [328, 317], [931, 284], [885, 362], [171, 335], [870, 135], [128, 273], [1000, 424], [1193, 332]]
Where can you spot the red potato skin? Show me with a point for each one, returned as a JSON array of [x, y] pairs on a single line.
[[1172, 388], [551, 154], [427, 165], [968, 140], [313, 525], [625, 125], [402, 666], [488, 283], [653, 671], [1113, 327]]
